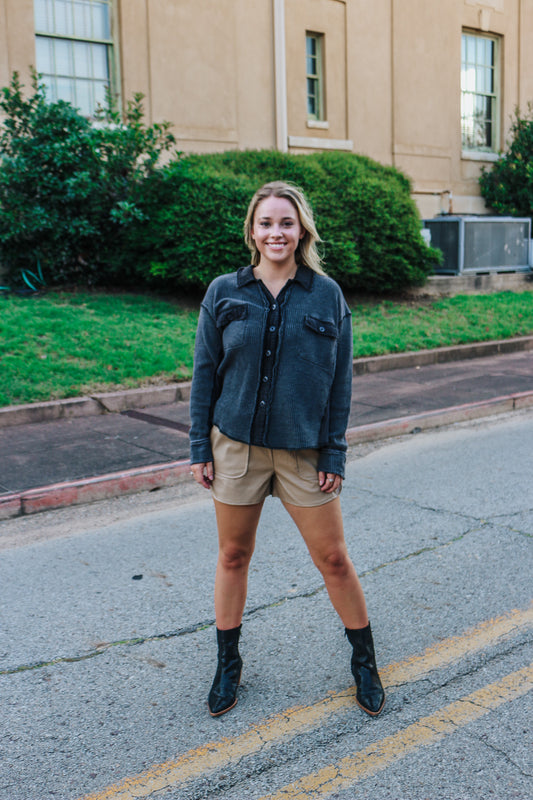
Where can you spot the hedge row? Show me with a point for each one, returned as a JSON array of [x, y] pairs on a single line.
[[93, 207], [195, 208]]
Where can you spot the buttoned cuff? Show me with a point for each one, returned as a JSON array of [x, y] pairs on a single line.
[[332, 461]]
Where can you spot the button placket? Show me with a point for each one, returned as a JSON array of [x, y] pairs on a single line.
[[272, 328]]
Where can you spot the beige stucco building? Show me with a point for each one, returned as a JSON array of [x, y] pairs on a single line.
[[426, 85]]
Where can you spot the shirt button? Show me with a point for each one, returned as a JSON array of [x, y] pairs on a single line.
[[274, 306], [321, 330], [265, 378], [262, 403], [272, 328], [268, 353]]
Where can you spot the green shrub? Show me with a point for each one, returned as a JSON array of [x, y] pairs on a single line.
[[69, 190], [91, 205], [365, 215], [508, 186], [193, 226]]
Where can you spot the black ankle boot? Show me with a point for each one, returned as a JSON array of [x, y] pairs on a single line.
[[223, 694], [370, 695]]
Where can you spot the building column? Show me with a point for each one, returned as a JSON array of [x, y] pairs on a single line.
[[280, 75]]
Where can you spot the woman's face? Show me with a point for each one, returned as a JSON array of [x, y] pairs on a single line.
[[276, 231]]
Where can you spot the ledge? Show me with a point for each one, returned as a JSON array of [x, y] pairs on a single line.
[[314, 143]]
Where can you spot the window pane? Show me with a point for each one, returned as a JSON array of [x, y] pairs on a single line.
[[101, 23], [478, 83], [63, 18], [488, 53], [312, 104], [84, 97], [65, 89], [82, 60], [86, 19], [470, 50], [44, 54], [50, 88], [481, 86], [43, 15], [99, 89], [63, 57], [470, 79], [483, 47], [100, 61], [314, 67], [72, 59], [480, 51], [82, 20]]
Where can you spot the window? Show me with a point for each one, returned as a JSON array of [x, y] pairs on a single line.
[[74, 50], [479, 92], [315, 79]]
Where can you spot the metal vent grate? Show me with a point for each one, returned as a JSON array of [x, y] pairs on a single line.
[[481, 244]]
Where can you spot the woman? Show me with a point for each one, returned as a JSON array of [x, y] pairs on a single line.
[[270, 401]]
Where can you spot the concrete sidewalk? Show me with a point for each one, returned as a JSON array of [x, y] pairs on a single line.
[[86, 449]]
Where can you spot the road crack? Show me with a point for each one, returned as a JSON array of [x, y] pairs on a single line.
[[102, 647]]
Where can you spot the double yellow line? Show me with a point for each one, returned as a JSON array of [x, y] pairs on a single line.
[[377, 757], [214, 756]]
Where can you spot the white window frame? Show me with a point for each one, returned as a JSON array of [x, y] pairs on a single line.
[[55, 37], [316, 100], [476, 92]]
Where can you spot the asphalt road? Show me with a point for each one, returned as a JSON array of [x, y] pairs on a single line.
[[107, 640]]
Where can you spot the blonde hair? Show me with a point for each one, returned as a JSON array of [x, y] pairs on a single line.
[[307, 252]]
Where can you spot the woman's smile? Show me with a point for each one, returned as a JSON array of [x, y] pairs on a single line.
[[277, 230]]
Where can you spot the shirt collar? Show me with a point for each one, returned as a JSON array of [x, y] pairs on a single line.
[[304, 276]]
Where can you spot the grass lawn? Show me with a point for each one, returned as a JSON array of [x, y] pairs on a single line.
[[64, 345]]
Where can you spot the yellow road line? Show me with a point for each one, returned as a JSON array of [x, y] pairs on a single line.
[[428, 730], [212, 756]]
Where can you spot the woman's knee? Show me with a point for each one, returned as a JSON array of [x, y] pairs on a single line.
[[334, 563], [234, 557]]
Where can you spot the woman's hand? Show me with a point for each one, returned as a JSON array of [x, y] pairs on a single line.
[[329, 482], [203, 473]]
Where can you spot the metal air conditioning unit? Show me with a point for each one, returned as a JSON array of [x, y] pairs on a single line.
[[478, 245]]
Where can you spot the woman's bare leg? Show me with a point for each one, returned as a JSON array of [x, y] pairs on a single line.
[[237, 526], [322, 530]]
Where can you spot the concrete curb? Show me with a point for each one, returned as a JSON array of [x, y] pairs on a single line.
[[114, 402], [61, 495], [104, 403], [441, 355], [89, 490], [427, 420]]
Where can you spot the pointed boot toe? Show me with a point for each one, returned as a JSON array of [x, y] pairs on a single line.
[[369, 696]]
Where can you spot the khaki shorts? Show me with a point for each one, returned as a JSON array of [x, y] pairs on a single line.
[[246, 474]]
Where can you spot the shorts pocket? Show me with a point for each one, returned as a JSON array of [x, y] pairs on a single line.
[[306, 464], [230, 457]]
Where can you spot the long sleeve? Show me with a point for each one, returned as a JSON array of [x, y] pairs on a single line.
[[207, 357], [332, 457]]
